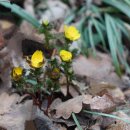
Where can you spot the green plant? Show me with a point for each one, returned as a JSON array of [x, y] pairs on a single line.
[[41, 80], [104, 25], [20, 12]]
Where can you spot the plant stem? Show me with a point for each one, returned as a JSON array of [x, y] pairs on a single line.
[[49, 103], [67, 79]]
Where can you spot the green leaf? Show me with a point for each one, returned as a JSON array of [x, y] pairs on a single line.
[[100, 32], [90, 34], [128, 2], [120, 5], [20, 12], [76, 121], [30, 81], [118, 36], [107, 115], [112, 43], [121, 25]]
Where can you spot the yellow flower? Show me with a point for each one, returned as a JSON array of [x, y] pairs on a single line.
[[71, 33], [66, 55], [17, 73], [46, 22], [37, 59], [55, 74]]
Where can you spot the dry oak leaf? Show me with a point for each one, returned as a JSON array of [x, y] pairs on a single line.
[[7, 101], [64, 109], [100, 69], [116, 92], [120, 125], [104, 103], [12, 113]]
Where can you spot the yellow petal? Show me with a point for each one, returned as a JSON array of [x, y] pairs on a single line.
[[66, 55], [71, 33], [37, 59], [17, 73]]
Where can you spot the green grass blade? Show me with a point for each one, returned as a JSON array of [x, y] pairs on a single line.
[[20, 12], [91, 40], [112, 43], [128, 2], [117, 33], [107, 115], [118, 36], [76, 121], [120, 5], [121, 25], [100, 32]]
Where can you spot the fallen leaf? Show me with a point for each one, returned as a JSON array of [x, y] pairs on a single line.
[[115, 92], [64, 109], [103, 104], [74, 105], [60, 127], [99, 69], [118, 124], [127, 94], [73, 92], [12, 114], [7, 102], [95, 127]]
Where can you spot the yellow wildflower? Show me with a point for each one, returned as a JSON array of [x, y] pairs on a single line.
[[66, 55], [46, 22], [17, 73], [71, 33], [55, 74], [37, 59]]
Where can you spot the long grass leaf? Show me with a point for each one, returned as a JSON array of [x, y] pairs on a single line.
[[120, 5], [100, 32], [91, 40], [118, 36], [20, 12], [112, 43], [107, 115], [76, 121], [121, 25]]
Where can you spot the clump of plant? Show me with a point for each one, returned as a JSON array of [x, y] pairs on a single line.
[[42, 78], [103, 23]]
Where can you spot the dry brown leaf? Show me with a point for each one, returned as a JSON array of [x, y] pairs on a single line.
[[13, 115], [7, 102], [79, 86], [64, 109], [120, 125], [95, 127], [127, 93], [98, 69], [73, 92], [60, 127], [114, 91], [103, 104], [73, 105]]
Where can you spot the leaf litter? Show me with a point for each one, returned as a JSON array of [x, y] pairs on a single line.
[[96, 88]]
